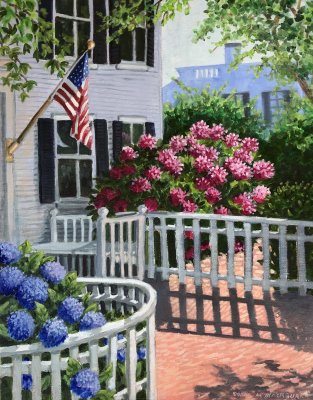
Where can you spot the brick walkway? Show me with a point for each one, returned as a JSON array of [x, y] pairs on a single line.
[[227, 344]]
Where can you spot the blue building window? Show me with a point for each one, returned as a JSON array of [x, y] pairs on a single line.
[[273, 103], [242, 98]]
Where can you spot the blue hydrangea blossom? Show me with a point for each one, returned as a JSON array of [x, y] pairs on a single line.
[[10, 279], [92, 320], [32, 289], [141, 353], [53, 272], [85, 383], [70, 310], [121, 355], [9, 253], [53, 332], [27, 382], [21, 325]]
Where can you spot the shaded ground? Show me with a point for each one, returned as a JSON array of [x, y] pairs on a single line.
[[226, 344]]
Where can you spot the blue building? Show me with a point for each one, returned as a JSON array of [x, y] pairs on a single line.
[[243, 80]]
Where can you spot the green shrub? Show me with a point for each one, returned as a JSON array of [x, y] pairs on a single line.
[[194, 105]]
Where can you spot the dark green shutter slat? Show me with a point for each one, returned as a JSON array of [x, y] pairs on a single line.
[[266, 106], [100, 50], [102, 146], [150, 37], [46, 160], [246, 99], [117, 138], [114, 48], [150, 128], [48, 6]]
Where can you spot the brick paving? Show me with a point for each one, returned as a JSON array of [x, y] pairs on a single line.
[[228, 344]]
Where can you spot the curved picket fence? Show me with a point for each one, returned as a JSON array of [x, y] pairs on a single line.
[[286, 248], [135, 299]]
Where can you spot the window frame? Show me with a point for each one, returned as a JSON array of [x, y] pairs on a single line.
[[134, 48], [133, 120], [79, 199], [269, 112], [75, 19]]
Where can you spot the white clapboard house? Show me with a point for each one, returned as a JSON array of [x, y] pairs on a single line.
[[49, 167]]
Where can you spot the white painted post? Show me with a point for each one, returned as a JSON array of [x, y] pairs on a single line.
[[93, 356], [36, 376], [131, 363], [151, 364], [112, 359], [55, 376], [164, 248], [301, 260], [230, 254], [17, 378], [180, 250], [214, 253], [248, 257], [53, 225], [197, 251], [101, 243], [113, 249], [266, 257], [129, 261], [283, 259], [151, 255], [141, 241], [121, 247]]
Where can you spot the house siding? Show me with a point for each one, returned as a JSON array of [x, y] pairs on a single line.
[[112, 93]]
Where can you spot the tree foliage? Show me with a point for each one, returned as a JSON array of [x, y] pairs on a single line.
[[24, 32]]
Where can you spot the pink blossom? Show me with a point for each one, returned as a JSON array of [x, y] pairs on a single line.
[[263, 170], [120, 206], [213, 195], [178, 143], [231, 140], [151, 204], [239, 170], [147, 142], [202, 164], [174, 166], [250, 144], [153, 173], [165, 155], [239, 247], [128, 154], [202, 183], [128, 169], [205, 246], [191, 140], [177, 196], [216, 132], [139, 185], [190, 253], [217, 175], [222, 210], [247, 205], [211, 153], [109, 193], [243, 155], [100, 201], [189, 206], [116, 173], [189, 235], [260, 193], [197, 150], [200, 130]]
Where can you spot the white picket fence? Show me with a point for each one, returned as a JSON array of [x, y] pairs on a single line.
[[268, 231], [133, 296]]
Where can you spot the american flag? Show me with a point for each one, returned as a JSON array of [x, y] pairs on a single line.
[[73, 97]]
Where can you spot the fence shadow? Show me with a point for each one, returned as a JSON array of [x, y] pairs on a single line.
[[257, 315]]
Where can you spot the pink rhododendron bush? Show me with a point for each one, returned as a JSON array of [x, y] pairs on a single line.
[[209, 170]]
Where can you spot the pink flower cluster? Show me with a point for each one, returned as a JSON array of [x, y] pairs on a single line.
[[216, 132], [247, 204], [153, 173], [239, 170], [177, 196], [178, 143], [231, 140], [260, 193], [213, 195], [128, 154], [139, 185], [203, 164], [151, 204], [200, 130], [147, 142], [263, 170], [117, 173], [170, 162]]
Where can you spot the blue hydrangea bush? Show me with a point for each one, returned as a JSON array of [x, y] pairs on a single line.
[[40, 302]]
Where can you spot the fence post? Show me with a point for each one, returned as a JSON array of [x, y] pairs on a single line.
[[140, 241], [53, 225], [230, 254], [301, 260], [101, 243]]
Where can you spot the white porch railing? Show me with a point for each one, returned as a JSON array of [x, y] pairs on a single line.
[[280, 239], [125, 295]]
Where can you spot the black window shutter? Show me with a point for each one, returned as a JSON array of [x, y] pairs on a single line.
[[99, 36], [117, 138], [246, 99], [102, 146], [46, 159], [45, 8], [287, 96], [150, 34], [149, 128], [266, 106], [114, 47]]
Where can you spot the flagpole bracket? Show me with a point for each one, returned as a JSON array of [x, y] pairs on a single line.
[[11, 146]]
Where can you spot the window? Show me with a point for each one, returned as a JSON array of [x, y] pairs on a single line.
[[242, 98], [133, 45], [72, 26], [273, 102], [133, 128], [73, 164]]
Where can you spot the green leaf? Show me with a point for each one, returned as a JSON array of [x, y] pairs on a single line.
[[45, 382], [4, 307], [73, 366], [104, 394], [25, 247], [92, 307], [41, 313], [3, 330], [106, 374]]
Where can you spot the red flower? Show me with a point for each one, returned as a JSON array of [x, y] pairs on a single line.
[[128, 169], [189, 235], [205, 246], [116, 173], [109, 193], [151, 204], [190, 253], [100, 201], [120, 206]]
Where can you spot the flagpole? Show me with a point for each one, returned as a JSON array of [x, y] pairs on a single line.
[[12, 145]]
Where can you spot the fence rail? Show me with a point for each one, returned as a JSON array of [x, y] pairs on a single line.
[[286, 245], [125, 295]]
